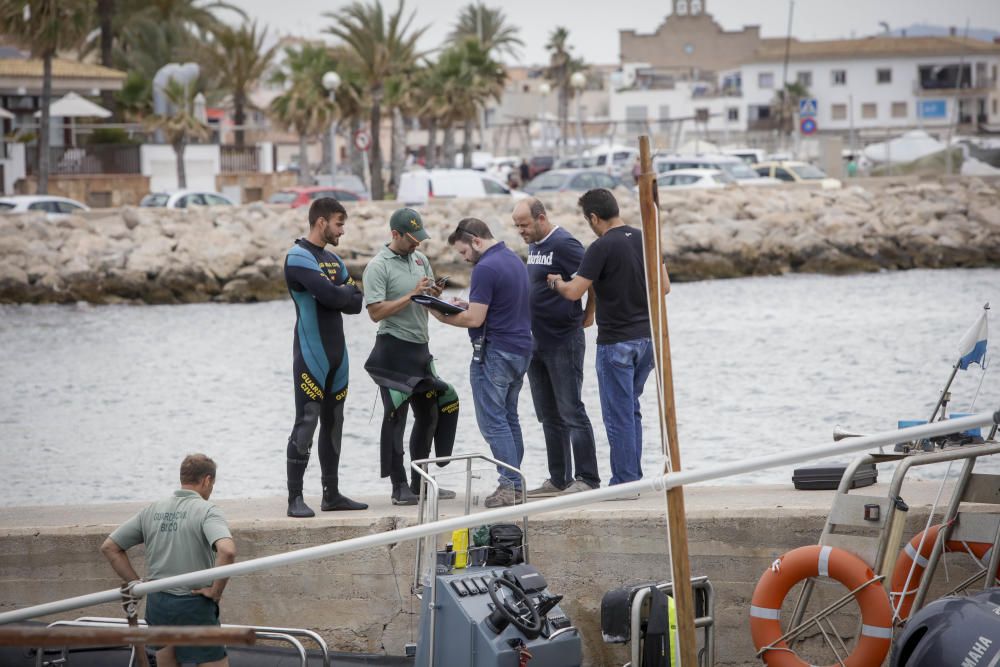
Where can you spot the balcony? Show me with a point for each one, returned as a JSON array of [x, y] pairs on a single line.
[[95, 159]]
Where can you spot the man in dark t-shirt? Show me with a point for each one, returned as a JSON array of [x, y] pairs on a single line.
[[498, 318], [555, 373], [613, 265]]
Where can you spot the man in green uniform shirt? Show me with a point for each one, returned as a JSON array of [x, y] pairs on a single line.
[[401, 362], [183, 533]]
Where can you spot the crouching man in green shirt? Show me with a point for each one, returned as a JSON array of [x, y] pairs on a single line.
[[183, 533]]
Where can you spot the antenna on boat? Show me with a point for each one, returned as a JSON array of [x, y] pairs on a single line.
[[676, 520]]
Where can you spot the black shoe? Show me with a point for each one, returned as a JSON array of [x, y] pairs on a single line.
[[341, 503], [401, 495], [297, 508]]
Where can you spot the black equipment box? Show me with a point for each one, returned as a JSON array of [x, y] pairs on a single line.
[[827, 477]]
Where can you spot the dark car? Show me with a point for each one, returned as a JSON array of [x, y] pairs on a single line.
[[540, 164], [571, 180]]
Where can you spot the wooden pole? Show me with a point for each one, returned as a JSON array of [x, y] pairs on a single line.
[[198, 635], [676, 519]]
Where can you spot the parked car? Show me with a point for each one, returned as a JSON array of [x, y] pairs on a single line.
[[737, 169], [615, 160], [185, 199], [501, 167], [749, 155], [540, 164], [694, 179], [53, 206], [303, 196], [420, 185], [571, 180], [480, 160], [577, 162], [797, 172], [352, 183]]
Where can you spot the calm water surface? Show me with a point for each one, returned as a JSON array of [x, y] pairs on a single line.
[[100, 403]]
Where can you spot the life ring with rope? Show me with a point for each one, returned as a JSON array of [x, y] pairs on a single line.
[[909, 559], [820, 561]]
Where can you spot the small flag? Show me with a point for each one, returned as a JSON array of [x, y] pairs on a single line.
[[973, 346]]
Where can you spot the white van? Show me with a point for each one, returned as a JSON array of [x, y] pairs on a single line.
[[736, 168], [420, 185], [615, 160]]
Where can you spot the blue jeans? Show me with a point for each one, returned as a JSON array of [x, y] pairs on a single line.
[[496, 384], [622, 369], [556, 376]]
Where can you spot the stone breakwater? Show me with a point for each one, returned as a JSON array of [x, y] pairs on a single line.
[[236, 253]]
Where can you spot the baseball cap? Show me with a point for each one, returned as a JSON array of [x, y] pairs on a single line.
[[408, 221]]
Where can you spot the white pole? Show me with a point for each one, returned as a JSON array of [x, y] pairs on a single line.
[[657, 484]]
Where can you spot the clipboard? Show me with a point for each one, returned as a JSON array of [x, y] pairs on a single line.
[[437, 304]]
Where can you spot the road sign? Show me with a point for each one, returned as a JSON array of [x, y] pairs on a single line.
[[932, 109], [807, 107], [808, 126], [362, 141]]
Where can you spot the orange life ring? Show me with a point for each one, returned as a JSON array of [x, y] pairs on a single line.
[[820, 561], [909, 558]]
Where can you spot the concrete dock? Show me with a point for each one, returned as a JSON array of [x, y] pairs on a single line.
[[362, 602]]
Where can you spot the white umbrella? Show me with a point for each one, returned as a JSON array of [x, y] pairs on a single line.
[[906, 148], [73, 106], [6, 114]]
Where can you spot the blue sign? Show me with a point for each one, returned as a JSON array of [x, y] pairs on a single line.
[[932, 109], [808, 126], [807, 107]]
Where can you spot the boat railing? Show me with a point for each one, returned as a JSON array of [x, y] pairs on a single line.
[[658, 484], [286, 635]]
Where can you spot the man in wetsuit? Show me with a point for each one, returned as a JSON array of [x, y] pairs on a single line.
[[322, 291], [401, 363]]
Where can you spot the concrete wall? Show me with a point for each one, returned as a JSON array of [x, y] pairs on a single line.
[[94, 190], [202, 162], [362, 602]]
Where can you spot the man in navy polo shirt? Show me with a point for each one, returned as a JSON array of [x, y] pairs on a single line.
[[498, 317], [555, 373]]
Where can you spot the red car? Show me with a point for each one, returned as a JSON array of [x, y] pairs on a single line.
[[303, 196]]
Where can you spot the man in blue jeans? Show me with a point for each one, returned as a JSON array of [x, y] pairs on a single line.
[[555, 373], [498, 317], [613, 265]]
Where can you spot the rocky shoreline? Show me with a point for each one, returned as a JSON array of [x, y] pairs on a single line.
[[236, 254]]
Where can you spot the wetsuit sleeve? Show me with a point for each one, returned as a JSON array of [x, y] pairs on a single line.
[[357, 302], [129, 534], [301, 276], [215, 527]]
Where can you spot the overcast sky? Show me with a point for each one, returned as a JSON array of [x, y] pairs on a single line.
[[594, 24]]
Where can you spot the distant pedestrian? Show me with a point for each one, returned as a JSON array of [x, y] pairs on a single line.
[[636, 171], [613, 264], [852, 167], [555, 373], [401, 363], [183, 533], [322, 290], [525, 171], [498, 317]]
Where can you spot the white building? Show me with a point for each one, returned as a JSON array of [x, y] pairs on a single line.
[[872, 86], [880, 84]]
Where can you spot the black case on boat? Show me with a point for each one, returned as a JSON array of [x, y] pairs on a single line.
[[827, 477]]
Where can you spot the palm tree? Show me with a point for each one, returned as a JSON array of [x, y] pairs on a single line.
[[352, 103], [45, 27], [785, 106], [304, 107], [472, 78], [561, 67], [236, 59], [488, 25], [384, 46], [180, 126]]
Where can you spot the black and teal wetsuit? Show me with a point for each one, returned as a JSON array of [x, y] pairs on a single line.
[[322, 291]]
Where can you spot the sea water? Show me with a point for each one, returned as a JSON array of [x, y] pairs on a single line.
[[100, 403]]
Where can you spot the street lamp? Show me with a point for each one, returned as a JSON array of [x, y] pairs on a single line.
[[331, 81], [578, 81], [544, 89]]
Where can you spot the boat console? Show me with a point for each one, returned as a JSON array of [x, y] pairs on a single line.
[[490, 616]]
